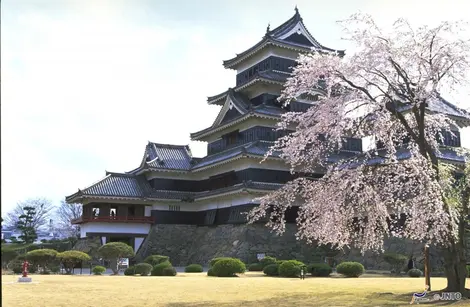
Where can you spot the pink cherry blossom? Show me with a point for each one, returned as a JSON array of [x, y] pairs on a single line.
[[380, 91]]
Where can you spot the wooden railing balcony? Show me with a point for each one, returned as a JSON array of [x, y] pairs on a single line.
[[113, 219]]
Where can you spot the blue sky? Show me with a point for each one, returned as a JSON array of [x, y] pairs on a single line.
[[86, 83]]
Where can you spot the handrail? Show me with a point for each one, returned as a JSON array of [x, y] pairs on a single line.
[[134, 219]]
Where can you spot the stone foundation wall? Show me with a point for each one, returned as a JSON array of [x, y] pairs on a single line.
[[89, 245], [186, 244]]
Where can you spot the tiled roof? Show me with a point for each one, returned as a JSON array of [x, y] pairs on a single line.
[[261, 110], [129, 186], [274, 76], [446, 153], [440, 105], [274, 36], [118, 186], [165, 156], [257, 148]]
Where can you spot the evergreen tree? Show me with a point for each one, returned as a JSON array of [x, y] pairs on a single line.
[[26, 225]]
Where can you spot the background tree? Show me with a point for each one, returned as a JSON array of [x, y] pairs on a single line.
[[42, 207], [114, 251], [42, 257], [385, 90], [64, 214], [72, 258], [25, 225]]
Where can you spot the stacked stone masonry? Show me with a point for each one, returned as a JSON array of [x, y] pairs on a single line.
[[186, 244]]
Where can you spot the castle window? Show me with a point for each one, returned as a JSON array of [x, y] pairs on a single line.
[[174, 208], [231, 138], [113, 211]]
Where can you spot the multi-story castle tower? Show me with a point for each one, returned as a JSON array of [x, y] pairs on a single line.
[[175, 199]]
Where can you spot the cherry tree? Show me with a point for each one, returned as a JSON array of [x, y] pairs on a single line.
[[385, 90]]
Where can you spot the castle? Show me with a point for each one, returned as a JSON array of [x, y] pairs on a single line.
[[193, 209]]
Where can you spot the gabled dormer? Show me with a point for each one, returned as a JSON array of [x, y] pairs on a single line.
[[285, 41]]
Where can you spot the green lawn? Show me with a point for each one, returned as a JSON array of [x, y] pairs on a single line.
[[252, 290]]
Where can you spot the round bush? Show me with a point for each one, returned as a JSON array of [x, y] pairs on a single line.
[[210, 272], [99, 270], [415, 273], [158, 269], [267, 261], [255, 267], [319, 269], [350, 269], [143, 269], [289, 269], [156, 259], [396, 261], [169, 271], [33, 269], [194, 268], [214, 260], [279, 262], [271, 270], [228, 267], [55, 269], [130, 271]]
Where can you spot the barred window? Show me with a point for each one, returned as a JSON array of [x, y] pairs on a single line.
[[174, 208]]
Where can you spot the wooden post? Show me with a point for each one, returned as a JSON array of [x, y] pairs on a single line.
[[427, 269]]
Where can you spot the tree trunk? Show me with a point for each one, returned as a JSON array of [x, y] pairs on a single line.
[[455, 269], [114, 265], [455, 262], [427, 268]]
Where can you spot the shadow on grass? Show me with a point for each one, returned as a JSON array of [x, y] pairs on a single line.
[[375, 299]]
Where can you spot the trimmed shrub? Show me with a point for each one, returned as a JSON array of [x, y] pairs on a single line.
[[297, 263], [396, 261], [271, 270], [289, 269], [228, 267], [99, 270], [55, 269], [8, 254], [158, 269], [156, 259], [194, 268], [143, 269], [113, 251], [267, 261], [34, 269], [319, 269], [169, 271], [42, 257], [279, 262], [255, 267], [72, 258], [415, 273], [214, 260], [130, 271], [350, 269], [210, 272]]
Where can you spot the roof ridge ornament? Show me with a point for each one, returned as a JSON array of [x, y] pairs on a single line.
[[268, 29]]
